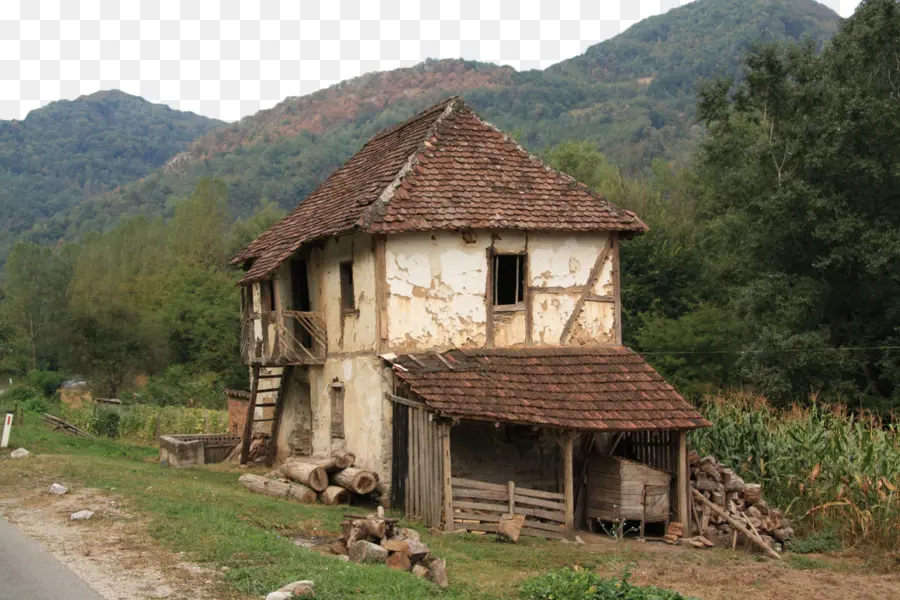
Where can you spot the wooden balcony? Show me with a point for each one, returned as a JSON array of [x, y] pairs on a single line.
[[290, 337]]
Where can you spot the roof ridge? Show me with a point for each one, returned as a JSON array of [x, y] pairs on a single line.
[[453, 105]]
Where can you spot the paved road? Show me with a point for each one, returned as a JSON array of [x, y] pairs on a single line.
[[28, 572]]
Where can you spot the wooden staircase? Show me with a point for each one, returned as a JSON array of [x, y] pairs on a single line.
[[278, 405]]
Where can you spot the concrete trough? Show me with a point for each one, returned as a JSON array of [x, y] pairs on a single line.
[[191, 450]]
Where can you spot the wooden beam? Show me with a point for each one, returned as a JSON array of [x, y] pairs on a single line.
[[381, 322], [405, 401], [617, 288], [529, 299], [251, 408], [569, 485], [592, 280], [489, 299], [445, 361], [683, 484]]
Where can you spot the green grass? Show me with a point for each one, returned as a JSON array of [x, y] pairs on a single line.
[[209, 516]]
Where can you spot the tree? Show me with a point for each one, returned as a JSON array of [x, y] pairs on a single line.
[[35, 283], [802, 176]]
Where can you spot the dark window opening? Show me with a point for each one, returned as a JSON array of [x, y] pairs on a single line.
[[267, 290], [348, 298], [509, 279]]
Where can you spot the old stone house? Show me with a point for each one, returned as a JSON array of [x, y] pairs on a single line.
[[444, 298]]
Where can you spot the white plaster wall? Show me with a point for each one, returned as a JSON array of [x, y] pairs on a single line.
[[436, 289], [367, 415], [350, 332]]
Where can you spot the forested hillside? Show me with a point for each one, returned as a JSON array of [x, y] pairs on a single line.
[[633, 96], [68, 151]]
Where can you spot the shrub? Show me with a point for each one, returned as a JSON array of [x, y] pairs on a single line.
[[582, 584], [138, 422], [815, 542], [179, 386], [107, 421], [27, 397], [47, 382]]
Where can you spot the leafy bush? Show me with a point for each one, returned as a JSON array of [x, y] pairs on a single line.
[[834, 472], [107, 422], [581, 584], [816, 542], [45, 381], [27, 397], [179, 386]]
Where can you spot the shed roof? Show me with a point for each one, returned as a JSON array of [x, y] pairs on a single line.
[[598, 388], [444, 169]]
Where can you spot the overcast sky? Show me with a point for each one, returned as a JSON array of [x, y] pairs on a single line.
[[230, 59]]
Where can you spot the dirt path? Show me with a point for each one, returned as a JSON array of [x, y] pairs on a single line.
[[722, 575], [112, 551]]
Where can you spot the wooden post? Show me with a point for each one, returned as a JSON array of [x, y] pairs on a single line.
[[511, 490], [446, 474], [683, 483], [156, 435], [569, 485]]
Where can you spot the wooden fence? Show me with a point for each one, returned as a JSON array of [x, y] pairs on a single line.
[[478, 506], [423, 486]]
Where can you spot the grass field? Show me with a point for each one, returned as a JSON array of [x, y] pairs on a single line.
[[208, 516]]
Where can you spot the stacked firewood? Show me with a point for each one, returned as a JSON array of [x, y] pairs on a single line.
[[332, 480], [375, 538], [727, 509]]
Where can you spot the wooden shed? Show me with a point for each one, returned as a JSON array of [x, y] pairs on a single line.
[[619, 489]]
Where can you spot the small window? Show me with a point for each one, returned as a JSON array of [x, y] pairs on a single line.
[[267, 291], [337, 410], [348, 298], [509, 279]]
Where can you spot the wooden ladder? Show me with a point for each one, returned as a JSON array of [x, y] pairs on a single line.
[[276, 417]]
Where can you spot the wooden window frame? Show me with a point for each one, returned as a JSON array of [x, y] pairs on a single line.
[[521, 292]]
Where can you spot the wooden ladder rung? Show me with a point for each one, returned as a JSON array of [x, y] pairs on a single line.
[[262, 420], [266, 405]]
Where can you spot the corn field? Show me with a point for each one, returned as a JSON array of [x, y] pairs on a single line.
[[826, 467], [137, 422]]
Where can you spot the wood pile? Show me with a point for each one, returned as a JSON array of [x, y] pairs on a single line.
[[726, 510], [60, 425], [332, 480], [375, 538]]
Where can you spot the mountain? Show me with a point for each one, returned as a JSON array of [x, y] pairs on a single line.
[[67, 151], [634, 95]]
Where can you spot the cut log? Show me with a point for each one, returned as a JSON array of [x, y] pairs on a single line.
[[363, 551], [356, 480], [309, 474], [396, 544], [420, 571], [737, 525], [370, 528], [399, 561], [510, 527], [278, 489], [343, 460], [417, 551], [334, 495]]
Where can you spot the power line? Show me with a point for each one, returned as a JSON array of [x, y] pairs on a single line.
[[771, 351]]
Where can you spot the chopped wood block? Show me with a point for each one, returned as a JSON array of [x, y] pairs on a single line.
[[420, 571], [363, 551], [399, 561], [417, 550], [695, 543], [675, 528], [693, 458], [752, 492], [670, 539], [510, 527], [705, 540], [396, 544], [410, 534]]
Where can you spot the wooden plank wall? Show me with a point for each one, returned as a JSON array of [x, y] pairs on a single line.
[[658, 449], [424, 499], [478, 506]]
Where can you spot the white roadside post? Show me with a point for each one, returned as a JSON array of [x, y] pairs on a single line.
[[7, 427]]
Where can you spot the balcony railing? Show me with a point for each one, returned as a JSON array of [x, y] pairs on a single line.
[[289, 337]]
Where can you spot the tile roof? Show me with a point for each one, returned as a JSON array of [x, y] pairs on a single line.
[[443, 169], [601, 388]]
